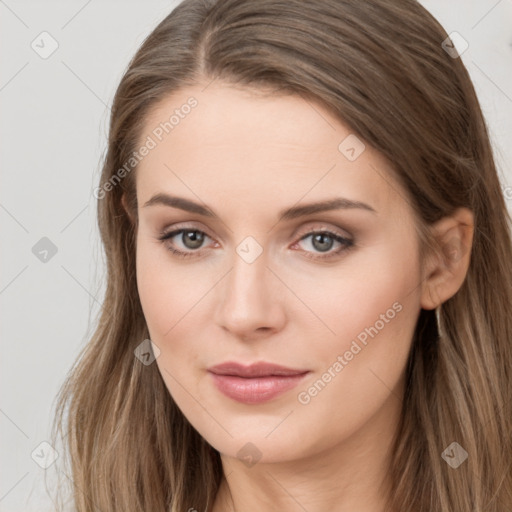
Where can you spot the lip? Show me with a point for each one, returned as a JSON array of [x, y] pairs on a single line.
[[256, 383], [261, 369]]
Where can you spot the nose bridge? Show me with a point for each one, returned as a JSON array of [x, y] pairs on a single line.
[[247, 300], [248, 280]]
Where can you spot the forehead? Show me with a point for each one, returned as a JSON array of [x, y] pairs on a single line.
[[244, 145]]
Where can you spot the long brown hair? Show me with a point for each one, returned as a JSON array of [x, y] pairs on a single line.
[[381, 68]]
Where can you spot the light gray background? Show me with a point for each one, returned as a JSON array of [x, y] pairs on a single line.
[[53, 127]]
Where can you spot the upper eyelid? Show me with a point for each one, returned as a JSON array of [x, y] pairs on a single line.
[[339, 237], [335, 231], [166, 232], [319, 227]]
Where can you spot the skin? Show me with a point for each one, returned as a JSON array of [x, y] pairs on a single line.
[[247, 156]]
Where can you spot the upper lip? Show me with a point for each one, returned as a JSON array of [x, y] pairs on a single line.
[[261, 369]]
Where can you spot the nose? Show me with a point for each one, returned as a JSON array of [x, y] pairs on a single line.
[[250, 301]]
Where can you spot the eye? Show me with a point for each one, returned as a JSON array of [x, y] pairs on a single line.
[[191, 239], [323, 241]]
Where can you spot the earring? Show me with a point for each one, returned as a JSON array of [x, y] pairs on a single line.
[[438, 319]]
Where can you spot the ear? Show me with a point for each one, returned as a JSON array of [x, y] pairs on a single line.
[[447, 268], [124, 202]]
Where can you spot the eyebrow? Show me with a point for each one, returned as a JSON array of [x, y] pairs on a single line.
[[337, 203]]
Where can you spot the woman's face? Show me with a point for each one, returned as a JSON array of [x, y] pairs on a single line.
[[332, 294]]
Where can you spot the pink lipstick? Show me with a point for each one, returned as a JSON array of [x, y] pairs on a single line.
[[256, 383]]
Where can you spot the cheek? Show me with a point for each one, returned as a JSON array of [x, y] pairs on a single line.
[[373, 293], [168, 294], [173, 297], [372, 306], [358, 373], [152, 283], [167, 290], [357, 300]]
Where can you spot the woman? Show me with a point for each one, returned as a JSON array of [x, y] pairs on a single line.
[[309, 272]]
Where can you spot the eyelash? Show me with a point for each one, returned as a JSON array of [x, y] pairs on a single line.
[[347, 244]]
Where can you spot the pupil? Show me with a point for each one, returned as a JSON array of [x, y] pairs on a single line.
[[322, 246], [194, 237]]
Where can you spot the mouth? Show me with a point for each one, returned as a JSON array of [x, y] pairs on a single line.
[[256, 383]]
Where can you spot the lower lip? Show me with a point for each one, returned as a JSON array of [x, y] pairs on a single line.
[[255, 390]]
